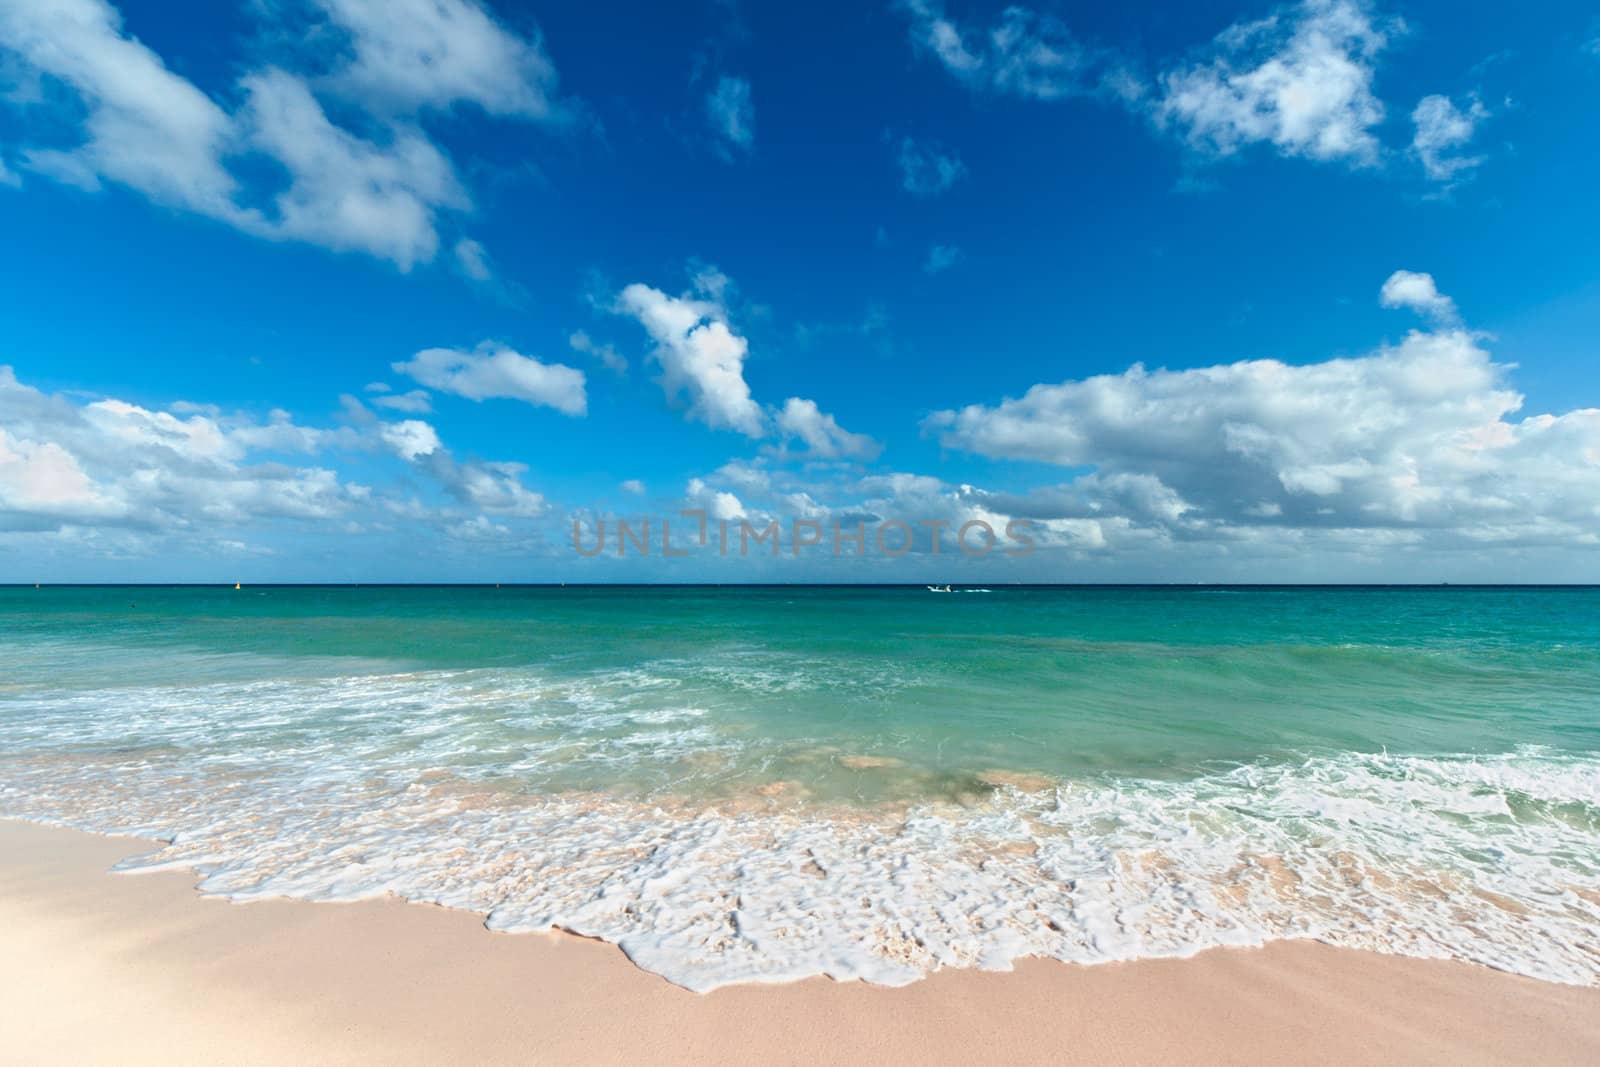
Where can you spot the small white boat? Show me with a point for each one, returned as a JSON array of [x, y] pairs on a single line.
[[940, 589]]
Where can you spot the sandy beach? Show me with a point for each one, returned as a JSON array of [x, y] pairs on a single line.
[[99, 968]]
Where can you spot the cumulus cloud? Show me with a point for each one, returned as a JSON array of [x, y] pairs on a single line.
[[744, 476], [1024, 54], [487, 487], [143, 125], [344, 192], [1417, 291], [821, 433], [1417, 439], [411, 54], [493, 371], [107, 477], [411, 439], [479, 528], [732, 114], [718, 505], [634, 486], [701, 357], [198, 437], [933, 510], [926, 169], [1300, 79], [110, 462], [1138, 498], [43, 477], [372, 182], [702, 361], [493, 488], [1442, 129]]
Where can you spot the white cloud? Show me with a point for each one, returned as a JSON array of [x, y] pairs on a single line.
[[941, 258], [699, 354], [111, 462], [746, 476], [1024, 54], [380, 192], [108, 477], [415, 402], [411, 54], [1442, 128], [492, 488], [634, 486], [718, 505], [9, 176], [901, 484], [411, 439], [495, 371], [282, 434], [926, 170], [473, 259], [144, 126], [1415, 439], [925, 504], [702, 359], [195, 438], [731, 112], [1417, 291], [608, 356], [1300, 79], [42, 476], [346, 193], [479, 528], [823, 436]]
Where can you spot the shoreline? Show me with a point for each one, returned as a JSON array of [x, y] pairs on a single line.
[[142, 968]]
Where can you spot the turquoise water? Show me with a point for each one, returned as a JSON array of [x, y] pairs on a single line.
[[759, 783]]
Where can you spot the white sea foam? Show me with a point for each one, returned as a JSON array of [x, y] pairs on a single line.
[[1493, 860], [1490, 861]]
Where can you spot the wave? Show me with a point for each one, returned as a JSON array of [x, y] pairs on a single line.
[[757, 813], [1492, 860]]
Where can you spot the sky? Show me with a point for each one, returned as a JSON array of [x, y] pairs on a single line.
[[448, 290]]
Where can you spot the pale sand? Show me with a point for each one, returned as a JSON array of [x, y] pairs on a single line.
[[101, 968]]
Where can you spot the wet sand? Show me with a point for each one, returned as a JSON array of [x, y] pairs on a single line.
[[103, 968]]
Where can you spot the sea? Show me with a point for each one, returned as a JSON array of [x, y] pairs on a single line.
[[760, 784]]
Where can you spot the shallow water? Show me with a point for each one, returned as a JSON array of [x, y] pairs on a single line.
[[760, 784]]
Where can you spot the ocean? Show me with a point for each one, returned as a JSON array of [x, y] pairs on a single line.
[[764, 783]]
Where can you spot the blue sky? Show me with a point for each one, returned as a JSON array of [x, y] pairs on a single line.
[[343, 290]]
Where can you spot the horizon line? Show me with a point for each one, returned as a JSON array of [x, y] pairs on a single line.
[[231, 586]]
